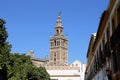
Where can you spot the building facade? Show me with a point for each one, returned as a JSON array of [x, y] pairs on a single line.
[[103, 55]]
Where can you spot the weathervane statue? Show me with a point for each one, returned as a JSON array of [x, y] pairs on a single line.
[[59, 13]]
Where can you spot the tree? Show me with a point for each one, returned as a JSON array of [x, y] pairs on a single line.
[[40, 73], [4, 51], [16, 66], [22, 68]]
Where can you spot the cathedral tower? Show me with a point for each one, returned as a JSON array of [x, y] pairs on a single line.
[[58, 46]]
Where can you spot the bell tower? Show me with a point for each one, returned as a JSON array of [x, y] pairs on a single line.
[[58, 46]]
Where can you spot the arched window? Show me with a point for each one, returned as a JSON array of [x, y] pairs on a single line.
[[54, 54], [60, 31], [55, 43], [57, 31]]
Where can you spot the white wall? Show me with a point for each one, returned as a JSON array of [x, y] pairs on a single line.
[[66, 78], [75, 71], [64, 74]]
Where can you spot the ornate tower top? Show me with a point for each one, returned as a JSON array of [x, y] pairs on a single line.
[[59, 26], [59, 22]]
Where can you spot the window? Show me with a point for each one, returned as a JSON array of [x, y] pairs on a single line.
[[57, 31], [76, 65], [55, 58], [54, 42], [60, 31], [54, 54], [58, 43]]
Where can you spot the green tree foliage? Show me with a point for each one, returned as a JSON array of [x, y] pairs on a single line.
[[4, 51], [21, 68], [16, 66], [40, 73]]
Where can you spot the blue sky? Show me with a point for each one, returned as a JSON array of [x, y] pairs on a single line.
[[30, 23]]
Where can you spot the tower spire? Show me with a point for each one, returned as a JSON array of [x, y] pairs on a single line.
[[59, 21], [59, 26]]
